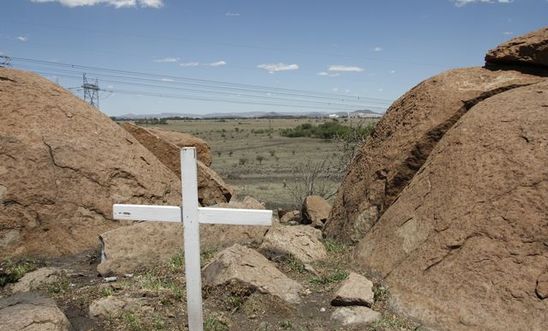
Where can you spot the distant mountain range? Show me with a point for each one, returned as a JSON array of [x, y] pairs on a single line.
[[258, 114]]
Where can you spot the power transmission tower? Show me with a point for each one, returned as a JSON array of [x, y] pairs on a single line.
[[91, 91], [5, 61]]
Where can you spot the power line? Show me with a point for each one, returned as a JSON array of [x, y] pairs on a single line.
[[204, 82]]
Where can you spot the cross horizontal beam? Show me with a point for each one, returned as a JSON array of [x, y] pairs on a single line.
[[206, 215]]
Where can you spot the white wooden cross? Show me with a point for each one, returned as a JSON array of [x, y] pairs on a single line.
[[192, 216]]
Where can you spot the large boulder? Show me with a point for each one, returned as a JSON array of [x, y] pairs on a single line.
[[31, 312], [465, 244], [245, 267], [63, 164], [37, 278], [302, 242], [530, 49], [211, 188], [181, 139], [402, 141]]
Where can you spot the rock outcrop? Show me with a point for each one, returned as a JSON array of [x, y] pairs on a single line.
[[245, 267], [181, 139], [530, 50], [301, 242], [31, 312], [450, 195], [62, 165], [464, 246], [356, 290], [402, 141], [211, 188], [37, 278]]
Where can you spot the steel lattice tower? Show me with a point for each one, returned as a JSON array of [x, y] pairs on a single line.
[[91, 91]]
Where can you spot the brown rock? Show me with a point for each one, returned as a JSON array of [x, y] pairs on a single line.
[[530, 49], [542, 286], [34, 279], [247, 203], [113, 306], [356, 290], [302, 242], [315, 211], [464, 244], [246, 267], [354, 316], [63, 164], [30, 312], [181, 139], [402, 141], [211, 188], [294, 216]]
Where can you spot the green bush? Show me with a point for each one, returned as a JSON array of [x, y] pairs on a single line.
[[327, 130]]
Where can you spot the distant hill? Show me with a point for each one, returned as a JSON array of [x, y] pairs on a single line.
[[258, 114]]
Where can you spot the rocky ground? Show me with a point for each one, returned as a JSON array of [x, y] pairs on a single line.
[[304, 291]]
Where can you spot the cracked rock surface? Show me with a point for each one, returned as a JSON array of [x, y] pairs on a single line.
[[63, 164], [402, 141], [464, 245], [31, 312]]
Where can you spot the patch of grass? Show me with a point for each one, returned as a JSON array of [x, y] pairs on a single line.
[[286, 325], [213, 323], [206, 256], [59, 287], [132, 322], [159, 323], [390, 322], [333, 246], [334, 277], [11, 272], [381, 293], [107, 291], [293, 264], [152, 281], [176, 262]]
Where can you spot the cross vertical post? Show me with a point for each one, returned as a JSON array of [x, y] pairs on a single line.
[[191, 228], [192, 215]]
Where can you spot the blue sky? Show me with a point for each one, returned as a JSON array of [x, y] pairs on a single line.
[[370, 49]]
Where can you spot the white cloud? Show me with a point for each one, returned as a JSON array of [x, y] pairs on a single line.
[[461, 3], [217, 63], [167, 80], [189, 64], [230, 13], [275, 67], [323, 73], [507, 33], [392, 72], [23, 38], [114, 3], [167, 60], [377, 49], [343, 68]]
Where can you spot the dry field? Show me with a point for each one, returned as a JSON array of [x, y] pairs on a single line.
[[251, 155]]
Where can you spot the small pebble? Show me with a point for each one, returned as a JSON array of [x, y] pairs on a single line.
[[111, 279], [322, 309]]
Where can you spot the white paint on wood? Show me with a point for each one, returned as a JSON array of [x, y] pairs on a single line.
[[235, 216], [192, 215], [147, 213]]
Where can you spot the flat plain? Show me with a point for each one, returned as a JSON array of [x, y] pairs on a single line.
[[252, 156]]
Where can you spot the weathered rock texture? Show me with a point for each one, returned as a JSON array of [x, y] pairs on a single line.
[[302, 242], [113, 306], [465, 244], [315, 211], [62, 166], [34, 279], [530, 49], [181, 139], [248, 268], [354, 316], [211, 188], [356, 290], [402, 141], [31, 312]]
